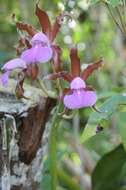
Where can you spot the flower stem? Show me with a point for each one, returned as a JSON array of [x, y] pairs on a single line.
[[53, 148], [44, 90]]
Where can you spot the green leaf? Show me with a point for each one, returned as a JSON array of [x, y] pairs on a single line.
[[106, 175], [114, 3], [45, 183], [94, 1], [121, 125], [110, 106]]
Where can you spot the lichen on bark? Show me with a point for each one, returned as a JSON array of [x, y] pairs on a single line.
[[22, 124]]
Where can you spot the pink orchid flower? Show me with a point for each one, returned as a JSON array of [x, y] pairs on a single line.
[[40, 48], [40, 52], [78, 95], [10, 66]]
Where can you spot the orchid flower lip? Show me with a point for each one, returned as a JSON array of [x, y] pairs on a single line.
[[37, 54], [79, 100]]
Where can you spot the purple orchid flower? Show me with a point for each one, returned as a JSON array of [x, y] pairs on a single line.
[[10, 66], [42, 47], [78, 95], [40, 52]]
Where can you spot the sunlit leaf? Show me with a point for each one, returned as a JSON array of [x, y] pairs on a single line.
[[94, 1], [109, 107], [121, 125], [45, 183], [114, 3]]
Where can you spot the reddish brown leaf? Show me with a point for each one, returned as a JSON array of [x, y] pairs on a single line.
[[57, 58], [26, 27], [88, 71], [75, 62], [63, 74], [44, 21]]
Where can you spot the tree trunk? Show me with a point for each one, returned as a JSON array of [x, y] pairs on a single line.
[[22, 123]]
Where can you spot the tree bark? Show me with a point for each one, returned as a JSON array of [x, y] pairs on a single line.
[[22, 124]]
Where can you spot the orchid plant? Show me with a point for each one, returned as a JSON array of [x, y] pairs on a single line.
[[39, 47], [78, 95]]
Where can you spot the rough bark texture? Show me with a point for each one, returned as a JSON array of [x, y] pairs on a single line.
[[22, 124]]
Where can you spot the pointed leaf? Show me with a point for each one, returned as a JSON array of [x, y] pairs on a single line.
[[121, 125], [106, 175], [44, 21], [75, 62], [88, 71], [26, 27], [107, 109]]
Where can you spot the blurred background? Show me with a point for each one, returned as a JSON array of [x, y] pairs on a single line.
[[96, 35]]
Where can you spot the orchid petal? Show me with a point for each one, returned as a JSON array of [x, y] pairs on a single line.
[[75, 62], [91, 68], [77, 83], [57, 58], [14, 64], [44, 21], [55, 28], [37, 54], [39, 37], [4, 78], [79, 99], [26, 27]]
